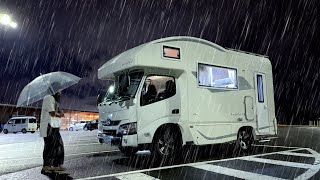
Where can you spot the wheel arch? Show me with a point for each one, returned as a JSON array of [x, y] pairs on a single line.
[[249, 129], [176, 127]]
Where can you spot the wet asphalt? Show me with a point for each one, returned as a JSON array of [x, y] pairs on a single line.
[[292, 156]]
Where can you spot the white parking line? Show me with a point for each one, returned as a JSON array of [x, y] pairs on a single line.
[[174, 166], [296, 154], [139, 176], [277, 162], [234, 172], [311, 172], [257, 145]]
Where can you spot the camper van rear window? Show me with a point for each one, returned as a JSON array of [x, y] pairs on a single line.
[[217, 77], [171, 52]]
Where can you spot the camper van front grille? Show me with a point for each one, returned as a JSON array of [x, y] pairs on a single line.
[[110, 132], [110, 123]]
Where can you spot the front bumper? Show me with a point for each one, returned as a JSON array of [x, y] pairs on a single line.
[[109, 139]]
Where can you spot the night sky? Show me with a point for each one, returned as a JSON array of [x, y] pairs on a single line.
[[78, 36]]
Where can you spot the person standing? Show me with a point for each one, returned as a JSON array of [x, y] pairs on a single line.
[[53, 151]]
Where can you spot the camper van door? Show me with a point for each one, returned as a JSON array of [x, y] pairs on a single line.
[[262, 103]]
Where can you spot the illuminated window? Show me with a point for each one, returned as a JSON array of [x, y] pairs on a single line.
[[171, 52], [217, 77]]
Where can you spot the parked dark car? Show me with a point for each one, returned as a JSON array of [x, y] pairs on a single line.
[[1, 127], [91, 125]]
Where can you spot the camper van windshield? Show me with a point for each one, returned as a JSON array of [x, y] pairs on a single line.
[[114, 93]]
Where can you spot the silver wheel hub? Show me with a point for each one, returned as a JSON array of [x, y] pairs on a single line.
[[165, 147], [243, 137]]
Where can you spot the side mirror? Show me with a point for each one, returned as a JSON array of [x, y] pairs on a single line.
[[99, 99]]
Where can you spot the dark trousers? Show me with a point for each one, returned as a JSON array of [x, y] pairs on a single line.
[[53, 151]]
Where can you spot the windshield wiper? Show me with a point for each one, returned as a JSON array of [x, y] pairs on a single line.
[[125, 97], [113, 100], [120, 98]]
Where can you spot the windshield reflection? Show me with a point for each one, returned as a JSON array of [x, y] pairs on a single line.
[[115, 93]]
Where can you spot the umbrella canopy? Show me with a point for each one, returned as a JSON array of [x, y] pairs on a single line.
[[46, 84]]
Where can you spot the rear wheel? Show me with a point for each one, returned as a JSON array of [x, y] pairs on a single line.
[[166, 145], [5, 131], [85, 128], [101, 141], [245, 139], [24, 131], [71, 129]]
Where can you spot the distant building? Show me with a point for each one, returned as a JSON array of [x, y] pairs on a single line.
[[8, 111]]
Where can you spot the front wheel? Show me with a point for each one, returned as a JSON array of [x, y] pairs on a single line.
[[71, 129], [5, 131], [166, 145]]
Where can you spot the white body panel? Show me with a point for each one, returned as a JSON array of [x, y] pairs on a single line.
[[206, 115]]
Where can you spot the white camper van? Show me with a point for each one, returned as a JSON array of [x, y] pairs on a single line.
[[22, 124], [178, 91]]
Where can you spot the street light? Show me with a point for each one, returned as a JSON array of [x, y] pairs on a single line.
[[6, 20]]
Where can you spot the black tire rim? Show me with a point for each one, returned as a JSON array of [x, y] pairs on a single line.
[[244, 140], [166, 144]]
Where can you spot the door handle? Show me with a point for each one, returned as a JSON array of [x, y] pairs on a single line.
[[175, 111], [265, 106]]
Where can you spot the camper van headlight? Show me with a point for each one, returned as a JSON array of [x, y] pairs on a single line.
[[128, 129]]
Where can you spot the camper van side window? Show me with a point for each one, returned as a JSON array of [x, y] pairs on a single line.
[[23, 121], [157, 88], [217, 77]]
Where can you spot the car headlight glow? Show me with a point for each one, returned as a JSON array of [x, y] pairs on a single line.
[[128, 129]]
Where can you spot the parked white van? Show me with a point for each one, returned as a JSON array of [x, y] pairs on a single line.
[[22, 124], [180, 91]]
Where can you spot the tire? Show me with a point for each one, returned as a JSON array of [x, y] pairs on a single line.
[[24, 131], [71, 129], [101, 141], [14, 132], [5, 131], [166, 146], [128, 151], [245, 140], [32, 132], [85, 129]]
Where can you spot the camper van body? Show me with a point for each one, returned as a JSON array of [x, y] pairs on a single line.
[[217, 92]]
